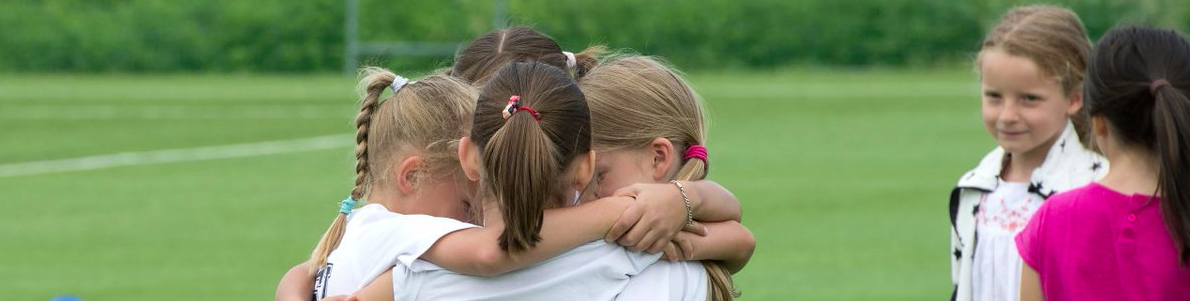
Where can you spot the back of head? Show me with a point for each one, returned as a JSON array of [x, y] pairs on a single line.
[[526, 150], [425, 118], [635, 99], [1052, 37], [1137, 80], [493, 50]]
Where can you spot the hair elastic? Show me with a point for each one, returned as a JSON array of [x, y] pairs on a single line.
[[570, 61], [696, 151], [1157, 84], [514, 105], [347, 205], [398, 83]]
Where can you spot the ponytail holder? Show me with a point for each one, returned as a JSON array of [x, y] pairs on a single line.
[[347, 205], [1156, 85], [398, 83], [514, 105], [696, 151], [570, 61]]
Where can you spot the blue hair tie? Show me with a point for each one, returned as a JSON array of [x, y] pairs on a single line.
[[346, 206]]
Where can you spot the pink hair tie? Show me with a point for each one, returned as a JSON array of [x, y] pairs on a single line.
[[696, 151], [1157, 84], [514, 105]]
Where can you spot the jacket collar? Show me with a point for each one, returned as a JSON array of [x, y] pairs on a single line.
[[1065, 151]]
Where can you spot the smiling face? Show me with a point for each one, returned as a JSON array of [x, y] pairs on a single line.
[[1024, 108]]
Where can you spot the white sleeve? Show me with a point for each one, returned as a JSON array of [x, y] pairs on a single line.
[[641, 260], [404, 238]]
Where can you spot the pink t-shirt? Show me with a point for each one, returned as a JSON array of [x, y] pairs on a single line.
[[1093, 243]]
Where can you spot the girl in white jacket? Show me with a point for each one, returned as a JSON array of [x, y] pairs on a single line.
[[1031, 68]]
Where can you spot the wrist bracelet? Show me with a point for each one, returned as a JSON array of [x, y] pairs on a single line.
[[689, 210]]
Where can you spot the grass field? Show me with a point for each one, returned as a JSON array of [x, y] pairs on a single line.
[[843, 175]]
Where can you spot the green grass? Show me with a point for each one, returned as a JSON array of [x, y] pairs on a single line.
[[843, 175]]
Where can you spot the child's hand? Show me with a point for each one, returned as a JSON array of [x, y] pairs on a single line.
[[651, 222], [340, 298], [682, 245]]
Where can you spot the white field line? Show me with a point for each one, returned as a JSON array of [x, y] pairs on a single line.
[[176, 155], [133, 111]]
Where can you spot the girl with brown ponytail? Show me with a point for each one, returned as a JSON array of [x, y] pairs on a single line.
[[1127, 236]]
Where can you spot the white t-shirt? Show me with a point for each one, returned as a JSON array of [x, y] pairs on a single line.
[[375, 239], [594, 271], [666, 280], [996, 267]]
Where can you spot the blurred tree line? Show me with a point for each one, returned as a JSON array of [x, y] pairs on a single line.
[[308, 35]]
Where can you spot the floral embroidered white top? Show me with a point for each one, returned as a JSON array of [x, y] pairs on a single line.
[[1001, 215]]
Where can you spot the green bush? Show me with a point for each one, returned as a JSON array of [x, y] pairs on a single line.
[[308, 36]]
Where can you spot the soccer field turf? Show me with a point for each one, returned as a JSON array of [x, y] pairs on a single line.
[[844, 178]]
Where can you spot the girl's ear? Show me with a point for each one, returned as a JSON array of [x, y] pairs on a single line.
[[1076, 102], [664, 156], [407, 174], [469, 158], [584, 170]]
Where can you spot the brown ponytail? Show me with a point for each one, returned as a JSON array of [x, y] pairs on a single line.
[[374, 84], [1171, 123], [1137, 80], [523, 156]]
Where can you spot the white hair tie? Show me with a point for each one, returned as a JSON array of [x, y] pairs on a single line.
[[570, 61], [398, 83]]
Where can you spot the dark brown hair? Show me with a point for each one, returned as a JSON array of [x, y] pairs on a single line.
[[1053, 38], [524, 157], [497, 48], [425, 117], [1137, 80]]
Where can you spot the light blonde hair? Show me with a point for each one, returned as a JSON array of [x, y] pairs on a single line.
[[425, 117], [636, 99], [1053, 38]]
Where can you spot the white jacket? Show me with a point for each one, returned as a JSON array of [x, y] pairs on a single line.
[[1067, 165]]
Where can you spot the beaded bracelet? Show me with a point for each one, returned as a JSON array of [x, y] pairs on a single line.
[[689, 210]]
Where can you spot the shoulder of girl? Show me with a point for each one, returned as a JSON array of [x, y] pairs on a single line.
[[984, 174], [1071, 201]]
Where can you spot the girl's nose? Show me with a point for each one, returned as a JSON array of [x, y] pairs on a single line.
[[1010, 112]]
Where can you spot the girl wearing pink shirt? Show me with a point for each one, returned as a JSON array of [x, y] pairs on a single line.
[[1127, 236]]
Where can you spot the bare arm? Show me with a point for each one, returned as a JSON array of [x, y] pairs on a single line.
[[381, 288], [729, 242], [1030, 284], [296, 285], [660, 212], [475, 251], [712, 202]]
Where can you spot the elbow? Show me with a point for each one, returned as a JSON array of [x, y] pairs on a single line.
[[491, 262], [744, 254]]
